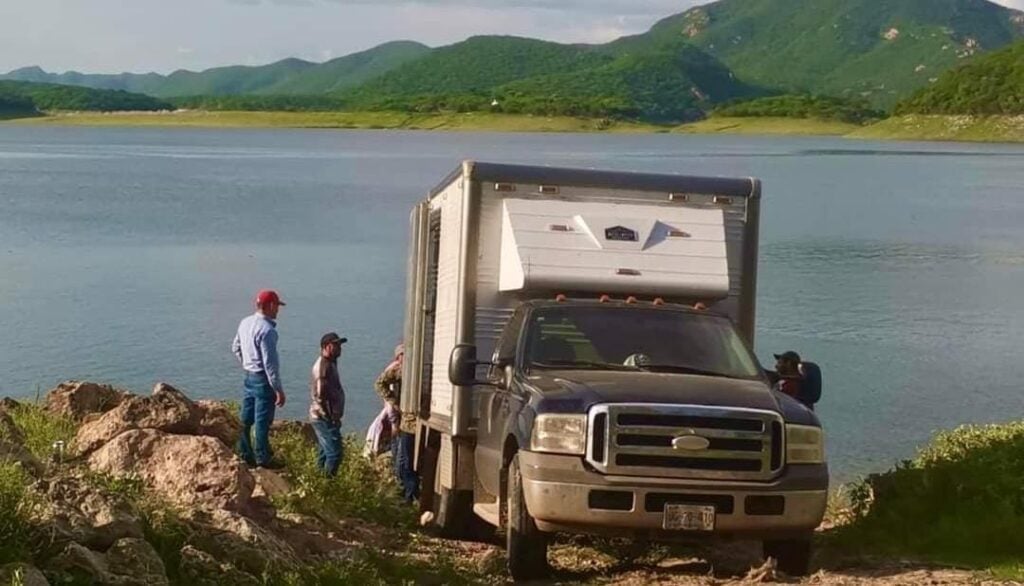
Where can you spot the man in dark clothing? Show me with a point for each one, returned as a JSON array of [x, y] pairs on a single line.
[[791, 380], [327, 404]]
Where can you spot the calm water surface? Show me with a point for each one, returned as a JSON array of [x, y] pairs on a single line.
[[129, 255]]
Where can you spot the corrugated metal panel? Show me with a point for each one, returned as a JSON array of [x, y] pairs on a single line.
[[630, 248], [492, 309], [445, 334]]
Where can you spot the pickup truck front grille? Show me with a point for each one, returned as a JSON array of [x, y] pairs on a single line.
[[684, 441]]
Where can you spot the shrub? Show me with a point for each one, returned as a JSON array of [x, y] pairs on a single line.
[[361, 489], [961, 500], [41, 429], [15, 512]]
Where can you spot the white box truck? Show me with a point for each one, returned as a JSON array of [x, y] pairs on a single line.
[[578, 354]]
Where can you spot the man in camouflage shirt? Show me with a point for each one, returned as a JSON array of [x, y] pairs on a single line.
[[403, 425]]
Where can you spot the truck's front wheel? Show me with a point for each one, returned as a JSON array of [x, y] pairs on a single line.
[[527, 547], [792, 556]]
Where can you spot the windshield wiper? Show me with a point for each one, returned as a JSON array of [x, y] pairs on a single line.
[[581, 364], [684, 370]]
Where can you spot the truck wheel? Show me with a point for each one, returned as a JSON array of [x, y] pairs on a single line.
[[527, 547], [453, 511], [793, 556]]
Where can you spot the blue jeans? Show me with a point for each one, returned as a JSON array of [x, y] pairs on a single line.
[[402, 449], [257, 412], [330, 450]]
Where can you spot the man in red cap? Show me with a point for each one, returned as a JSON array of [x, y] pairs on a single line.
[[255, 347]]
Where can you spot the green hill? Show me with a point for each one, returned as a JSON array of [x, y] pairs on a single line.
[[671, 81], [480, 64], [667, 85], [349, 71], [802, 106], [992, 84], [51, 97], [881, 50], [289, 76]]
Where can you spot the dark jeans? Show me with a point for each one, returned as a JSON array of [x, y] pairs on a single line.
[[257, 412], [402, 449], [330, 451]]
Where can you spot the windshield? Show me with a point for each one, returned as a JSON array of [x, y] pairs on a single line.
[[636, 338]]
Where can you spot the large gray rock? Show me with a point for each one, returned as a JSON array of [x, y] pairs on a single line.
[[76, 400], [199, 568], [191, 471], [74, 511], [240, 541], [167, 409], [128, 562], [22, 574], [217, 419], [136, 559]]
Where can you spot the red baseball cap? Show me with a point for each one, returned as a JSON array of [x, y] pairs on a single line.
[[268, 296]]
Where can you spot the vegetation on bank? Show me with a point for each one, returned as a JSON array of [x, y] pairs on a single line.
[[990, 85], [260, 103], [767, 125], [52, 97], [960, 501], [381, 120], [802, 106], [951, 128]]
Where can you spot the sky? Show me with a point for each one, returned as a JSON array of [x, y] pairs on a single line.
[[111, 36]]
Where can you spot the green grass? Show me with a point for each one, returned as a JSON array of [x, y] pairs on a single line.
[[960, 502], [41, 430], [941, 127], [371, 567], [384, 120], [767, 125], [15, 513], [361, 489]]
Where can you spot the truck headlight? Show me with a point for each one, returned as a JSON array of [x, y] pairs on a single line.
[[560, 434], [804, 445]]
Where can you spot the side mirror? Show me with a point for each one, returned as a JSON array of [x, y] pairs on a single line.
[[462, 366]]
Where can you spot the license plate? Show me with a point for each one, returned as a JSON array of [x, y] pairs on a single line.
[[689, 517]]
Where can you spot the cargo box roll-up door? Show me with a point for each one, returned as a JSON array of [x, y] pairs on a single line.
[[624, 248]]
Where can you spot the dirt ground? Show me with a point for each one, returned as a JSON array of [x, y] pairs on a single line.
[[584, 561]]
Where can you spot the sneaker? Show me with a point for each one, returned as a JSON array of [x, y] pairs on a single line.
[[271, 465]]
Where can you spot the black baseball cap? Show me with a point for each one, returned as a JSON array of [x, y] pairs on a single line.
[[789, 355], [332, 338]]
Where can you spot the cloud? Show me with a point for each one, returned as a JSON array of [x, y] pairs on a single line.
[[631, 7]]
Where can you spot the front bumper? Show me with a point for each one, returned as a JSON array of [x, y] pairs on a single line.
[[558, 492]]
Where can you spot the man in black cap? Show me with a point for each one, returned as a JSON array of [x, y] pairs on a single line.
[[787, 365], [327, 404]]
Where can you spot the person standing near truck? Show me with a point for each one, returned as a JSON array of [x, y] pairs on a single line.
[[255, 347], [327, 404], [798, 379], [389, 388]]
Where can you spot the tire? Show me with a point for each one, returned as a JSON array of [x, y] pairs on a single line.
[[453, 511], [526, 546], [792, 556]]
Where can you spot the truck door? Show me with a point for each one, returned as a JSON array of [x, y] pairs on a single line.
[[494, 408]]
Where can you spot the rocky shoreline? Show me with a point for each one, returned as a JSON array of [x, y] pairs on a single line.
[[176, 455], [102, 486]]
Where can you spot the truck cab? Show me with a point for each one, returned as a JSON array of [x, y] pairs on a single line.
[[579, 353]]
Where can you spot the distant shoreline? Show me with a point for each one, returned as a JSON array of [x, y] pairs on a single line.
[[1008, 129]]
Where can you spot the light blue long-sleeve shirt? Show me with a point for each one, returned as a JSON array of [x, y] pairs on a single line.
[[255, 346]]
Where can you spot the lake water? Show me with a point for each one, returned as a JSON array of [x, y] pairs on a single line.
[[129, 255]]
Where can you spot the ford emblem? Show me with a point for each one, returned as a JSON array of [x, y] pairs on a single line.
[[692, 443]]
